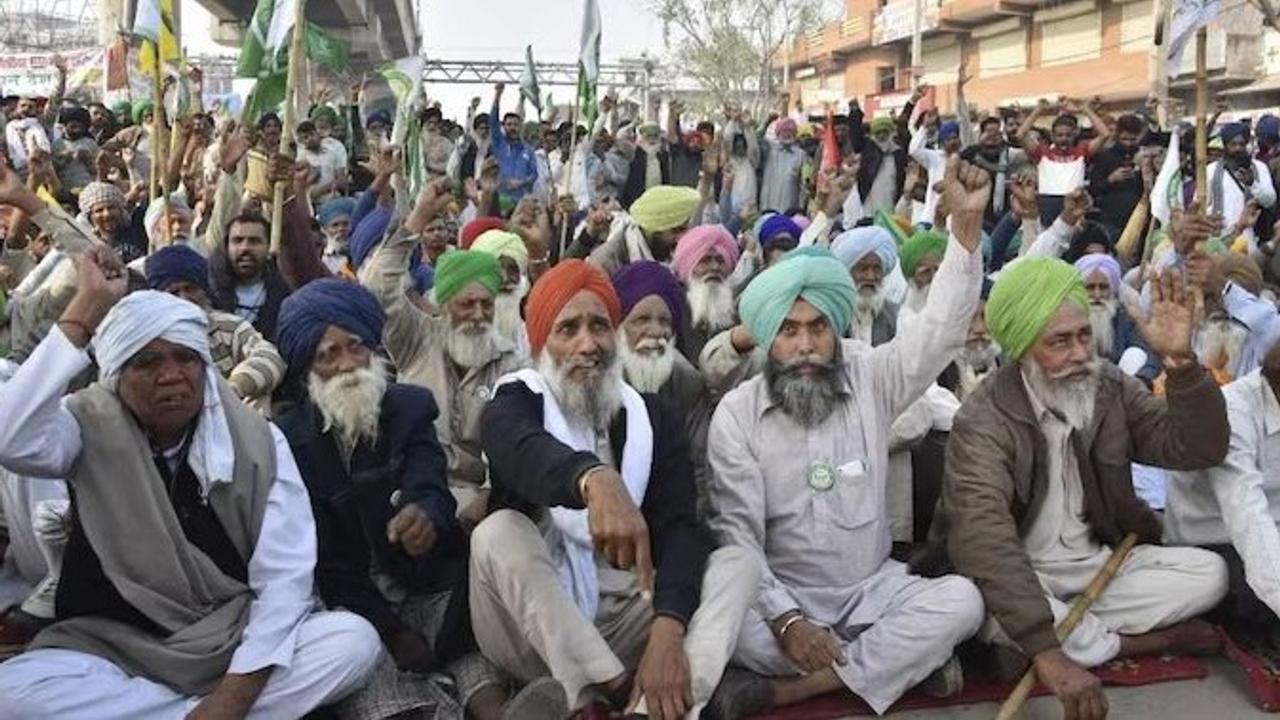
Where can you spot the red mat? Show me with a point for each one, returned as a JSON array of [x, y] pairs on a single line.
[[1262, 673], [1120, 673]]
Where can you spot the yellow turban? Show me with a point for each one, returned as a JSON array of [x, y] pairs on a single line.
[[500, 243], [664, 207]]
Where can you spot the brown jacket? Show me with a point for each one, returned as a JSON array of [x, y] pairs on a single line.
[[996, 478]]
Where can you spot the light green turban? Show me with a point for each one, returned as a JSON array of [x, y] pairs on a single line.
[[500, 243], [457, 269], [819, 279], [140, 110], [924, 242], [881, 124], [664, 207], [1026, 295]]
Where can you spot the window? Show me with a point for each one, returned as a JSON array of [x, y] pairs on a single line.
[[1071, 39], [886, 79], [1003, 54]]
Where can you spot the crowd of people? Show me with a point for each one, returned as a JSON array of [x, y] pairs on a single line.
[[618, 418]]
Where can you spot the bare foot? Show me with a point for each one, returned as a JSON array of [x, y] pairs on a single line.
[[1193, 637]]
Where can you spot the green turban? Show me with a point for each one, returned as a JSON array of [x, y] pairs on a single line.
[[819, 279], [881, 124], [457, 269], [140, 110], [326, 113], [1026, 295], [664, 207], [924, 242], [123, 111]]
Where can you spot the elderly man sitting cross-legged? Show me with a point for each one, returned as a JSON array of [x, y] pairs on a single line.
[[1038, 486], [800, 455], [186, 585], [611, 468]]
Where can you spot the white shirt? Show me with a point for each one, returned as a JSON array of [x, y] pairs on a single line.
[[1237, 502], [250, 299], [41, 438], [935, 164], [327, 161]]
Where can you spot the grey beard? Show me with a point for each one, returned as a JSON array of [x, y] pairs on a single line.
[[710, 304], [1072, 398], [980, 359], [868, 303], [351, 402], [1100, 317], [471, 344], [1220, 341], [506, 315], [586, 404], [649, 365], [807, 399]]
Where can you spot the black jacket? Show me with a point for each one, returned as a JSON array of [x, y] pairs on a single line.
[[873, 156], [1115, 201], [531, 470], [352, 507]]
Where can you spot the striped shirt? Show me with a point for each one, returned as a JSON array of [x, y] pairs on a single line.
[[252, 365]]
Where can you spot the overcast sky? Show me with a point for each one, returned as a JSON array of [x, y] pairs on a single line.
[[496, 30]]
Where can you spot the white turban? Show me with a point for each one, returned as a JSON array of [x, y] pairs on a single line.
[[149, 315]]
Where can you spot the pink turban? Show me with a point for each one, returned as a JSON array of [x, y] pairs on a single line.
[[700, 240], [784, 125], [1099, 262]]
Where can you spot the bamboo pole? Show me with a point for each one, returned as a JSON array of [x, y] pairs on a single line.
[[1013, 705], [159, 149], [1202, 115], [297, 48], [573, 152]]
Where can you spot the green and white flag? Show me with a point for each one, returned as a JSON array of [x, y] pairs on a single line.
[[404, 76], [265, 54], [529, 81], [589, 60]]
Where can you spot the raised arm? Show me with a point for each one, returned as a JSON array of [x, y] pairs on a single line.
[[1032, 118]]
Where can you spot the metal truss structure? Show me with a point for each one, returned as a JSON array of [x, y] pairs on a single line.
[[45, 25], [487, 72]]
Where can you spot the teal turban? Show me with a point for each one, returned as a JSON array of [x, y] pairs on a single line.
[[457, 269], [819, 279], [1026, 295], [924, 242]]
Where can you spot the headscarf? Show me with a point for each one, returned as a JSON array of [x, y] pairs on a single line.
[[556, 288], [98, 192], [457, 269], [155, 214], [478, 227], [818, 278], [948, 129], [758, 225], [175, 263], [1026, 296], [148, 315], [697, 243], [775, 227], [1231, 130], [309, 311], [881, 123], [1268, 128], [638, 280], [664, 207], [786, 124], [336, 208], [851, 246], [1099, 262], [924, 242], [140, 110], [366, 236], [500, 243]]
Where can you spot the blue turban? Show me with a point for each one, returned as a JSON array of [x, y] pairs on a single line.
[[307, 313], [817, 278], [948, 129], [176, 263], [1268, 128], [758, 225], [775, 227], [851, 246], [1232, 130], [378, 116], [639, 280], [424, 278], [367, 235], [334, 209]]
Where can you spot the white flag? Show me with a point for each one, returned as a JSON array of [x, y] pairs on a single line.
[[1188, 17], [589, 53], [281, 22], [1166, 191], [148, 20]]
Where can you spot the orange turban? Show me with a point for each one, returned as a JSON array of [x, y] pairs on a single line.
[[556, 288]]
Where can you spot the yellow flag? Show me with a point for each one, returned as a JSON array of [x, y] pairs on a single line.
[[154, 23]]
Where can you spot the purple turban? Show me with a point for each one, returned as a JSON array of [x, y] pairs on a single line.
[[639, 280], [777, 226], [784, 125], [310, 310], [368, 234], [1099, 262], [176, 263]]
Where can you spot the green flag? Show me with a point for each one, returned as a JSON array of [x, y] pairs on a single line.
[[529, 81], [404, 76], [589, 60], [266, 51], [886, 221]]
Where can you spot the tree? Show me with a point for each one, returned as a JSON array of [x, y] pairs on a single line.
[[730, 46]]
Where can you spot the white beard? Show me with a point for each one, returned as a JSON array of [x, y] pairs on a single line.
[[1072, 398], [710, 304], [916, 297], [351, 402], [471, 344], [335, 245], [1218, 344], [649, 365], [1100, 317], [867, 303], [506, 311], [588, 404], [974, 365]]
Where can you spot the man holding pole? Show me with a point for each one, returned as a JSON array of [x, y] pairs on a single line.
[[1038, 488]]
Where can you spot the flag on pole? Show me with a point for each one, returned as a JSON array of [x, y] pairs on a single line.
[[830, 146], [589, 59], [265, 54], [529, 81], [154, 23], [1188, 17], [404, 76], [1166, 191]]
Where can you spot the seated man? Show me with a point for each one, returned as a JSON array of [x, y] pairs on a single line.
[[216, 615], [360, 440], [870, 255], [1233, 508], [1038, 484], [653, 312], [1113, 332], [457, 355], [513, 260], [800, 455], [612, 470], [251, 365], [704, 259]]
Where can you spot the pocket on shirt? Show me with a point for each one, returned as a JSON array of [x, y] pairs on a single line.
[[851, 502]]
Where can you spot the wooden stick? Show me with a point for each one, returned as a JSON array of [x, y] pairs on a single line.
[[1013, 705], [297, 48], [573, 151], [1202, 115]]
